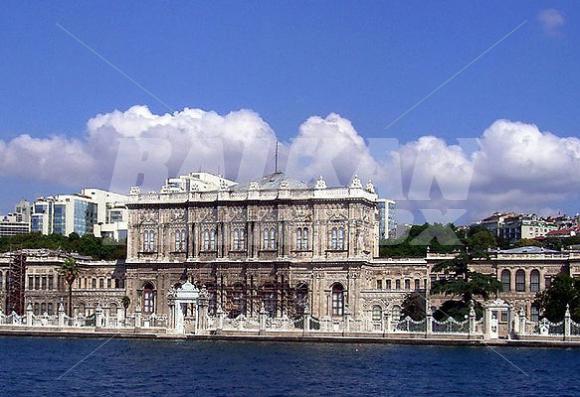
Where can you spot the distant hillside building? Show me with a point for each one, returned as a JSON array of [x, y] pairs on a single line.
[[513, 227], [17, 222]]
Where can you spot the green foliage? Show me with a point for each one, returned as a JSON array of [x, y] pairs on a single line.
[[440, 239], [126, 301], [464, 283], [69, 270], [88, 244], [552, 301], [414, 306], [458, 310]]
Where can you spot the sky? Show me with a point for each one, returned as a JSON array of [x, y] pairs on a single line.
[[452, 108]]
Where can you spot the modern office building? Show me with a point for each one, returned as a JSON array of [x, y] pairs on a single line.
[[387, 221]]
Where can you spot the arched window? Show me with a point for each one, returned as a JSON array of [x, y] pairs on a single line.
[[535, 313], [520, 281], [337, 300], [302, 238], [180, 240], [238, 301], [337, 238], [535, 281], [239, 242], [36, 309], [301, 299], [113, 310], [269, 238], [506, 280], [269, 299], [208, 240], [396, 312], [407, 284], [146, 241], [148, 298], [377, 313]]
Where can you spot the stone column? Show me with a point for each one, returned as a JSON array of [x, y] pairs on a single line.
[[516, 326], [98, 316], [567, 323], [60, 315], [522, 316], [510, 329], [428, 322], [471, 318], [138, 317], [220, 317], [263, 316], [29, 314], [387, 323], [306, 320]]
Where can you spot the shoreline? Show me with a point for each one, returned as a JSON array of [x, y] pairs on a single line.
[[292, 338]]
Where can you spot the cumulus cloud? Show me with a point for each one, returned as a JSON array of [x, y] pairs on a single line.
[[511, 166], [551, 21]]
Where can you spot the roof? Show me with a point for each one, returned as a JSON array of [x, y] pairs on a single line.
[[568, 231], [528, 250], [273, 181]]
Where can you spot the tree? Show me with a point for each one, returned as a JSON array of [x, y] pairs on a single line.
[[70, 271], [463, 284], [414, 306], [126, 301], [564, 290]]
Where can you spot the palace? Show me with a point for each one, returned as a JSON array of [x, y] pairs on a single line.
[[276, 245]]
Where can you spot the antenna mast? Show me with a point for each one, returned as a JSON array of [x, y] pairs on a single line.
[[276, 158]]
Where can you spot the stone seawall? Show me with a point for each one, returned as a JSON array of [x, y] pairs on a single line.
[[282, 337]]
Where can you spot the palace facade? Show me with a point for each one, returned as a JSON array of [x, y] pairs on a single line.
[[275, 244]]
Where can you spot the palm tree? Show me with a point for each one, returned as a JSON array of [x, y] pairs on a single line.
[[126, 301], [70, 271]]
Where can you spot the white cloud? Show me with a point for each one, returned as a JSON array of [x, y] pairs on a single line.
[[551, 21], [513, 165]]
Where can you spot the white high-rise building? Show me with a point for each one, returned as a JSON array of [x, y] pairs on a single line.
[[94, 211], [387, 221], [17, 222]]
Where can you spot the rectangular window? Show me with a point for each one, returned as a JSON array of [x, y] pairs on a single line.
[[36, 282], [109, 281], [101, 283], [379, 284], [547, 282], [50, 282], [30, 282], [398, 284], [50, 308], [407, 284], [94, 283], [389, 286], [417, 284]]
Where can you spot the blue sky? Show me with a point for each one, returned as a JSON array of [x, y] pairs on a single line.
[[287, 61]]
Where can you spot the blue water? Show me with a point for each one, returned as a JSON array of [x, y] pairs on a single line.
[[42, 366]]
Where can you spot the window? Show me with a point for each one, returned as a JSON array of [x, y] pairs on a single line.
[[302, 239], [149, 241], [389, 286], [51, 282], [301, 299], [506, 280], [36, 282], [148, 299], [109, 282], [379, 284], [520, 281], [94, 283], [179, 240], [407, 284], [337, 238], [209, 240], [239, 239], [535, 313], [547, 282], [417, 284], [504, 316], [398, 284], [269, 238], [50, 313], [377, 313], [36, 308], [30, 282], [1, 280], [42, 308], [101, 283], [44, 283], [535, 281], [337, 300]]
